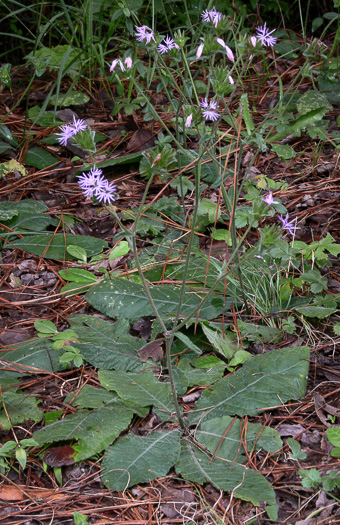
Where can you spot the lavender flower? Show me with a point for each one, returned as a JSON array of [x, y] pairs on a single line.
[[269, 199], [199, 51], [169, 44], [253, 41], [128, 62], [211, 16], [69, 130], [144, 33], [230, 54], [210, 108], [115, 62], [93, 184], [286, 225], [188, 121], [78, 125], [264, 35], [231, 80]]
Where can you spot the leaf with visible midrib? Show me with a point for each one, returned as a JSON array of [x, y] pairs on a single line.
[[198, 467], [94, 430], [136, 459], [122, 298], [264, 381], [142, 388], [53, 246], [108, 345]]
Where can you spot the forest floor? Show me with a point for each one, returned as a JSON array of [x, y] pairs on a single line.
[[30, 290]]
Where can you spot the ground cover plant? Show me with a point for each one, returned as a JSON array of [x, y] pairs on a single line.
[[169, 228]]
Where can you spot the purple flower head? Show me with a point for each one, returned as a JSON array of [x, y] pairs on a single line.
[[286, 225], [93, 184], [169, 44], [210, 108], [264, 35], [230, 54], [78, 125], [188, 121], [104, 192], [269, 199], [67, 132], [144, 33], [199, 51], [211, 16]]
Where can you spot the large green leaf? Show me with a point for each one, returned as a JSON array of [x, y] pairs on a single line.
[[313, 100], [54, 246], [94, 430], [26, 205], [122, 298], [185, 375], [108, 345], [264, 381], [40, 158], [305, 120], [133, 459], [19, 408], [31, 356], [226, 436], [250, 485], [314, 310], [331, 89], [91, 397], [35, 222], [142, 388], [116, 161]]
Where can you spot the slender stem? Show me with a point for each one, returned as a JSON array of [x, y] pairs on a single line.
[[191, 236], [168, 344], [212, 289], [157, 117]]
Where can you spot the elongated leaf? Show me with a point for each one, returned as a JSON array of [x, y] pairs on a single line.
[[4, 147], [315, 311], [247, 484], [30, 357], [142, 388], [91, 397], [190, 376], [308, 119], [230, 446], [224, 345], [116, 161], [94, 430], [122, 298], [54, 246], [19, 408], [108, 345], [26, 205], [40, 158], [285, 152], [30, 221], [264, 381], [135, 459], [246, 114], [313, 100], [78, 275]]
